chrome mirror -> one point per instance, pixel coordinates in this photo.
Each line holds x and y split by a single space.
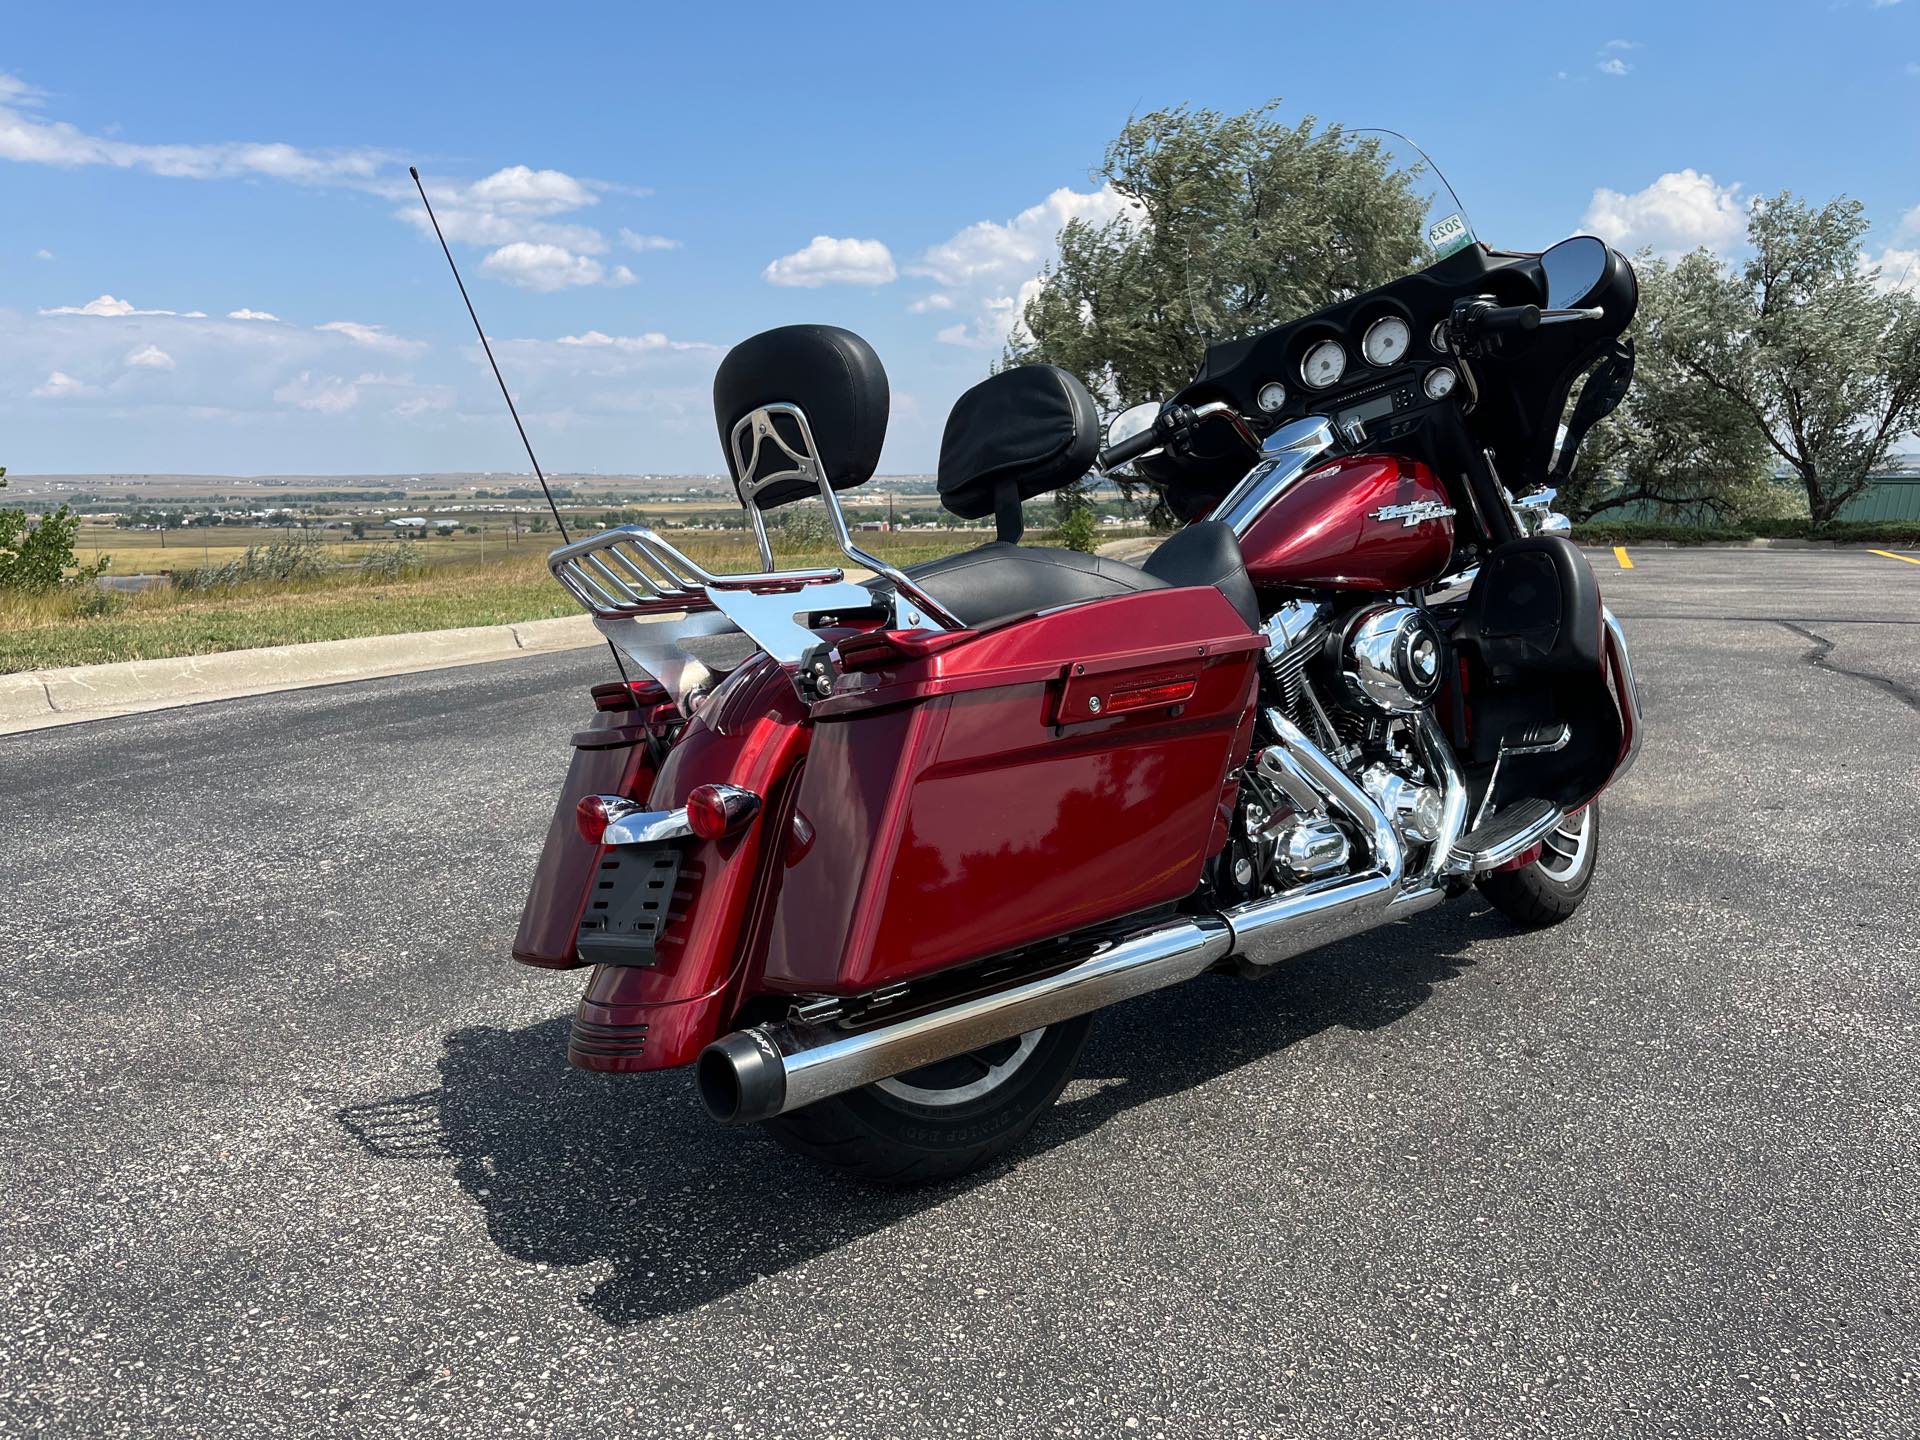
1574 269
1131 421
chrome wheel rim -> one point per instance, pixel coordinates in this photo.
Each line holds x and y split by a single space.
965 1077
1563 854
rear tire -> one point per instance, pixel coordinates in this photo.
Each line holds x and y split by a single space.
941 1120
1551 888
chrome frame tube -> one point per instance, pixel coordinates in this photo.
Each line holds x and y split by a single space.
757 427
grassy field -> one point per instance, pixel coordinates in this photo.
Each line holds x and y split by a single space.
84 627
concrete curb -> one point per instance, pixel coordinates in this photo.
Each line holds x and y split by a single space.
36 699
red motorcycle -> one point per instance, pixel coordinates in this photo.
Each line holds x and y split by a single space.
870 856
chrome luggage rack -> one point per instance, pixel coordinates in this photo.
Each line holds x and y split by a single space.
646 596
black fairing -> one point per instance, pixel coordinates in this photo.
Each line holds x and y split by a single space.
1524 380
1531 638
1033 428
835 379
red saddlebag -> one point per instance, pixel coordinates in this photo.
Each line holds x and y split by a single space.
1021 783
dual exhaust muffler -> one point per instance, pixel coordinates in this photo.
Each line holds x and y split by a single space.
767 1070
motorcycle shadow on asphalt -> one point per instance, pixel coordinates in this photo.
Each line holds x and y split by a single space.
573 1169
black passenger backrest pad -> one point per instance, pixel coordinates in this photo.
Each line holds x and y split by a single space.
835 379
1034 426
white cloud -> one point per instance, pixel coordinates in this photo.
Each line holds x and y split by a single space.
1612 61
322 394
634 240
539 192
43 254
1021 246
546 267
245 314
1899 269
374 337
827 261
60 386
15 91
1681 211
36 141
105 306
150 357
631 344
991 269
511 206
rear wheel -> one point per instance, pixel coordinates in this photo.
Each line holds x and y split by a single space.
1551 888
942 1119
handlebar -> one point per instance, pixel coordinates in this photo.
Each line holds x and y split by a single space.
1132 448
1478 319
1171 422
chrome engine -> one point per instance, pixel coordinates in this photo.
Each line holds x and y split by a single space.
1355 684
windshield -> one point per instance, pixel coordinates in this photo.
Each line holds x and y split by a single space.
1297 231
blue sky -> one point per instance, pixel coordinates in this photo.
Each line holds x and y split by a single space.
633 188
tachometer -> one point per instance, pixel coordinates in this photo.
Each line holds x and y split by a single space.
1386 341
1324 365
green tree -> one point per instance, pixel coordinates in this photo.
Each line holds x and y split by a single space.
1676 441
36 558
805 527
1078 530
1802 338
1240 223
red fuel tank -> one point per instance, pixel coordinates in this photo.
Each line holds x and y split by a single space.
1364 522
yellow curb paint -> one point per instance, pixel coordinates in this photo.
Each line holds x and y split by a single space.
1891 556
1620 554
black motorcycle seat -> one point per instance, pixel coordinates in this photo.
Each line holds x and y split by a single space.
997 581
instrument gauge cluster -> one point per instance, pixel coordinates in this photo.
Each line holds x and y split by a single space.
1323 365
1387 341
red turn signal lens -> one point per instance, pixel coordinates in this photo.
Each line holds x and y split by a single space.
717 810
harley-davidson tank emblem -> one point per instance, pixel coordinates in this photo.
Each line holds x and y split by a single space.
1416 512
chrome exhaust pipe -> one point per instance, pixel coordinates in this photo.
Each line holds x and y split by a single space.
767 1070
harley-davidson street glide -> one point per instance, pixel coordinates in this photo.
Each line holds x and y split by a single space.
869 856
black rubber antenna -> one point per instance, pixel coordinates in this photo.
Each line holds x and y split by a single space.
505 394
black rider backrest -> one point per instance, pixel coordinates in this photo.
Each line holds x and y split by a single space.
834 378
1034 427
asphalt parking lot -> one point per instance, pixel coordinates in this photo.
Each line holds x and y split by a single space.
288 1146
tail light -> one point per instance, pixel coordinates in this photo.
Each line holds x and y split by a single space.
714 811
595 812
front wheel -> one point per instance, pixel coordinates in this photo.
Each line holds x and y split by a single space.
942 1119
1549 889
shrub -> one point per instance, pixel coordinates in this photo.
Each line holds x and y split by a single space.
1078 530
300 559
35 559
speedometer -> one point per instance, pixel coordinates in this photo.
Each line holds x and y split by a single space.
1324 365
1386 341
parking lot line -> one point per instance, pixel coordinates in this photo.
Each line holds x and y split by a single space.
1620 554
1891 556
